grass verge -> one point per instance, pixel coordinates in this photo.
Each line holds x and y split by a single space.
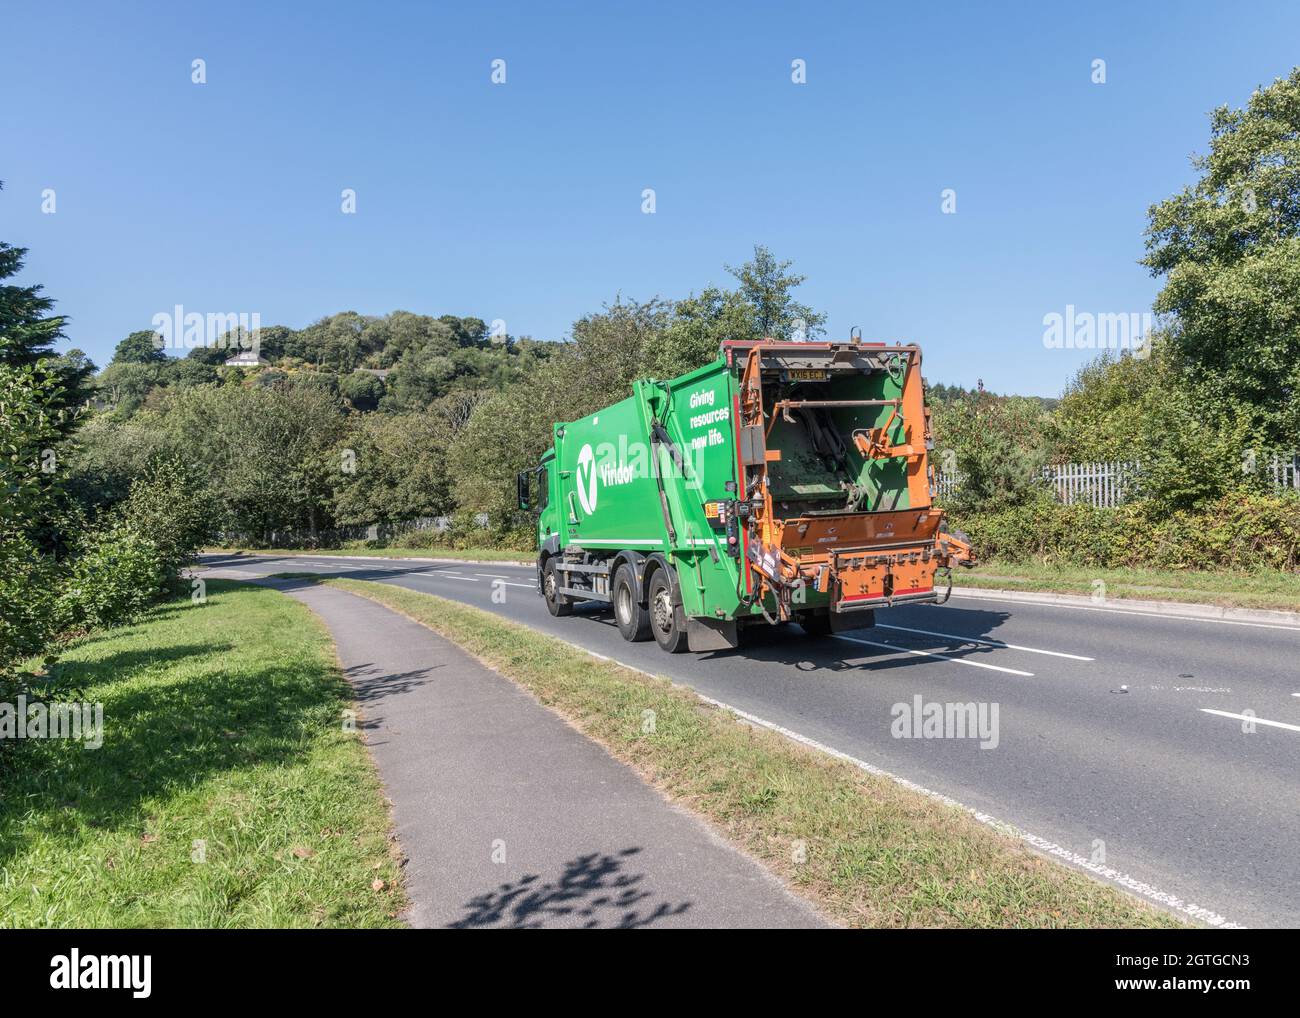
1271 589
876 854
226 792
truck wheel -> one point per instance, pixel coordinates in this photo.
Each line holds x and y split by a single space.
633 620
667 621
556 603
816 624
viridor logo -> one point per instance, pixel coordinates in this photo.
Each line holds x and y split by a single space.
611 472
587 479
75 971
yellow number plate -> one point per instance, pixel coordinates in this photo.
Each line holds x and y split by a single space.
808 374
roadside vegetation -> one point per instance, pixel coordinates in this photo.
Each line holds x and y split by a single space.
1264 588
874 853
226 792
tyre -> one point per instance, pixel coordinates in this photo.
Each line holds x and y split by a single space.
667 620
633 619
816 624
556 603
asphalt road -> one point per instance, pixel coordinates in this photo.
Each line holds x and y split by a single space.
1161 752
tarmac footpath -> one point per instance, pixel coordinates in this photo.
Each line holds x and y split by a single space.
509 817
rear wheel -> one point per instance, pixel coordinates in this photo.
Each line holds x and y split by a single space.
816 623
633 620
556 603
667 620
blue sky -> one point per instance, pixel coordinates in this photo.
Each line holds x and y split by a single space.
523 201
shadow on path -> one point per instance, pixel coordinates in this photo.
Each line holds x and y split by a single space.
592 892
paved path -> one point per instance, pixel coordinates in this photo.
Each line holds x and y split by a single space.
511 818
1125 743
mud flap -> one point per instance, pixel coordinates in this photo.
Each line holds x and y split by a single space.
711 634
861 618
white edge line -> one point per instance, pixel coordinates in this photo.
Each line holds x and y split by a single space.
1124 611
1105 873
987 643
930 653
1252 719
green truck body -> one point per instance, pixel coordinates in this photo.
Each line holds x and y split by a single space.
780 482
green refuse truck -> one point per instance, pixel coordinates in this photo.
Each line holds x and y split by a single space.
782 482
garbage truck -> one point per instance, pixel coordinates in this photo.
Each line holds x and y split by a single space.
783 482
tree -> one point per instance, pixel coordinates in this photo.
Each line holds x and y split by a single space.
362 389
28 333
766 286
698 327
1229 249
141 347
399 470
30 426
995 444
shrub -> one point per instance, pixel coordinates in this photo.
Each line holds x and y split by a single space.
1241 530
116 575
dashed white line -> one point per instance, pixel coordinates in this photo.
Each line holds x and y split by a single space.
941 657
1252 719
987 643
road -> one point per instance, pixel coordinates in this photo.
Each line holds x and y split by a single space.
1162 752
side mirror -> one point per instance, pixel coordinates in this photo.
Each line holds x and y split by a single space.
521 484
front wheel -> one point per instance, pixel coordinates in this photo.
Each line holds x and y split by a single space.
556 603
667 620
633 619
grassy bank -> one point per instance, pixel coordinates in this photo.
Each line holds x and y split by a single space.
875 853
226 792
1265 589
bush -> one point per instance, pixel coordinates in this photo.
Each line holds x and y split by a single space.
1241 530
115 576
170 506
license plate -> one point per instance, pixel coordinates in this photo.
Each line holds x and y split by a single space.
808 374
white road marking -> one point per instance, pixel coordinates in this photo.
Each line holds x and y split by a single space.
455 576
1253 720
1124 611
1138 887
987 643
930 653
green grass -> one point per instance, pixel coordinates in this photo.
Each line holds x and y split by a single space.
460 554
222 724
877 854
1265 589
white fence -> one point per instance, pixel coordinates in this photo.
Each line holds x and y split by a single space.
1105 485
